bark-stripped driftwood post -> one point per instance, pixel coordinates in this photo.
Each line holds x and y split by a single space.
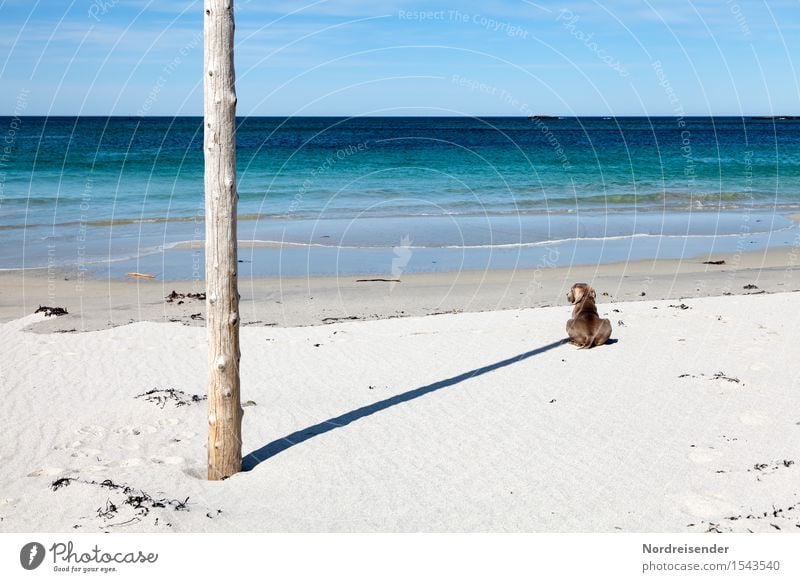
222 303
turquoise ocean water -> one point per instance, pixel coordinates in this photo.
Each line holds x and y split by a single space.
392 195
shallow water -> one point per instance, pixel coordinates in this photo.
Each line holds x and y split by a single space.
367 194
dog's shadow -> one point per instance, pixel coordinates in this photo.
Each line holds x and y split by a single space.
256 457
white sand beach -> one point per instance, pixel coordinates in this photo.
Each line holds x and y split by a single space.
456 422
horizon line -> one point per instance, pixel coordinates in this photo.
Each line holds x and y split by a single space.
774 116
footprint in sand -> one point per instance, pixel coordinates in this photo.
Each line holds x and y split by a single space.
46 471
198 471
134 431
128 430
702 456
167 460
707 507
760 366
133 462
92 430
754 419
86 453
72 445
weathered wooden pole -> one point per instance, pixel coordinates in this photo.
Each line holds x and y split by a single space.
222 293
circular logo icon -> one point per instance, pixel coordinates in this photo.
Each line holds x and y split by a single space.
31 555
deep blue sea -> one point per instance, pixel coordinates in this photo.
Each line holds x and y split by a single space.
361 195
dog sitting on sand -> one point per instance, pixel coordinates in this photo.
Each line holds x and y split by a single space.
586 329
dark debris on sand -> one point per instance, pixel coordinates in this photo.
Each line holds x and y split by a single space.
59 483
174 296
767 467
788 514
716 376
723 376
335 319
160 397
713 262
51 311
140 502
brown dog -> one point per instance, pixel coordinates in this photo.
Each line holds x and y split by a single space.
586 329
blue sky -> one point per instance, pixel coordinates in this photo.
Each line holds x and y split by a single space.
343 57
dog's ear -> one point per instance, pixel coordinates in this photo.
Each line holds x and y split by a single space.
571 295
594 294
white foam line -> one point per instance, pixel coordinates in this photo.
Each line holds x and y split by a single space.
284 244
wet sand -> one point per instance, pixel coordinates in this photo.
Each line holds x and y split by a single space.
98 304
